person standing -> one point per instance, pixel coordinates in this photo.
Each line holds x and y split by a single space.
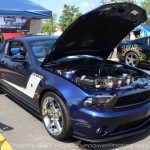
132 36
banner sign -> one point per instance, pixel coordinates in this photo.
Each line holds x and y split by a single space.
14 24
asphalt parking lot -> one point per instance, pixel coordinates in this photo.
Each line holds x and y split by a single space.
24 131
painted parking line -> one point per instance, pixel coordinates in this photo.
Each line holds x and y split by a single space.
4 145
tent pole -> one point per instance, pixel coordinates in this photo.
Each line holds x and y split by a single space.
52 24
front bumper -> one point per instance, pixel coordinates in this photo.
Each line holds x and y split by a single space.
113 123
109 138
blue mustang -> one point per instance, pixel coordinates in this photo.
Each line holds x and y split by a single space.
71 85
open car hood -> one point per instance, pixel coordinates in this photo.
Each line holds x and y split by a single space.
98 31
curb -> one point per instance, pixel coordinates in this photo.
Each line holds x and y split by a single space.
4 145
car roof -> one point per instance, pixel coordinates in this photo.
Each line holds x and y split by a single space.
35 37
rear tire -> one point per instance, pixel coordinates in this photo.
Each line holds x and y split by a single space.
132 59
55 116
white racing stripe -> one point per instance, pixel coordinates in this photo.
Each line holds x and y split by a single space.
31 87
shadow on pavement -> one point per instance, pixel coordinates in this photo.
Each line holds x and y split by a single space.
25 107
4 127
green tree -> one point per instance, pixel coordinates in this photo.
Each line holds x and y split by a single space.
146 5
69 15
47 24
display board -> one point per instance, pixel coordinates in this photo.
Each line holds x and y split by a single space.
17 15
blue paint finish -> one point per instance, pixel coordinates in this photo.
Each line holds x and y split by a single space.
108 119
85 120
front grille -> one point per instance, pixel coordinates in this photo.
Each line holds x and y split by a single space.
130 125
132 99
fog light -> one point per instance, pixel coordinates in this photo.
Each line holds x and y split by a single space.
99 130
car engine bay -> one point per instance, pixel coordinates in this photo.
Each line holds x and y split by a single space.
93 73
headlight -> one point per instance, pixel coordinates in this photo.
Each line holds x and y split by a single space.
97 101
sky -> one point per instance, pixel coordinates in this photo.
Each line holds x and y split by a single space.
56 6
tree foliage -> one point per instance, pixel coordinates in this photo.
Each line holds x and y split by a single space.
47 25
69 15
146 5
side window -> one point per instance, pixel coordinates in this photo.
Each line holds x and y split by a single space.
15 48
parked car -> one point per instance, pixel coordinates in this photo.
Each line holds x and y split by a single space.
135 52
70 84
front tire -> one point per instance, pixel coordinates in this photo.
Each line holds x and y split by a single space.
55 116
132 59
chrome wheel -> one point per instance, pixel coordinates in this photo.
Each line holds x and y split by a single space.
132 59
52 116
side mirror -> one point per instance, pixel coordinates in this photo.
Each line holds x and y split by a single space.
18 58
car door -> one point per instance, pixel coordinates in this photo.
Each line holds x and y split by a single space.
140 47
16 75
145 49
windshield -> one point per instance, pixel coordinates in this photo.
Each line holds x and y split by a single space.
41 48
